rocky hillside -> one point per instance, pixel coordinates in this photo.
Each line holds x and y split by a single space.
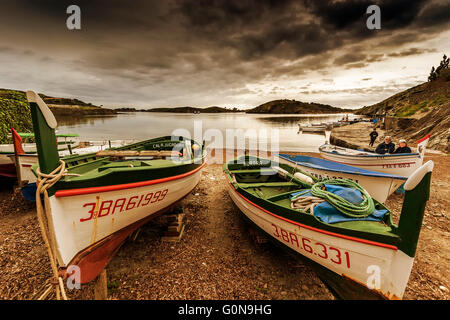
421 110
15 112
294 107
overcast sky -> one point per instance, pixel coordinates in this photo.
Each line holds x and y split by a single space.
229 53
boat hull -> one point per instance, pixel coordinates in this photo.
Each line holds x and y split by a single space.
379 188
382 271
402 165
89 228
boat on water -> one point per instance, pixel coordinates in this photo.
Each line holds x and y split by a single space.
402 164
93 202
367 257
312 128
379 185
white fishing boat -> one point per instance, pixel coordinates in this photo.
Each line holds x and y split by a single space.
7 162
378 184
93 202
358 256
312 128
402 164
24 161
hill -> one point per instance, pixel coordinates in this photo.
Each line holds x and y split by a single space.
193 110
15 112
296 107
418 111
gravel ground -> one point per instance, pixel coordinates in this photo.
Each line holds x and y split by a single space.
217 257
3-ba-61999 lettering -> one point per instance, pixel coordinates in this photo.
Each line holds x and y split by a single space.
107 207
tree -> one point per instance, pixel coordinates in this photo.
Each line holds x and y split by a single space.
436 73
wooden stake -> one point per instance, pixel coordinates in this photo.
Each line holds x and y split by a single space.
101 286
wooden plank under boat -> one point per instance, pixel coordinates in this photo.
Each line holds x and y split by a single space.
105 196
379 185
355 259
402 164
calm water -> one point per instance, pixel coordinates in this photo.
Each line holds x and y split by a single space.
218 129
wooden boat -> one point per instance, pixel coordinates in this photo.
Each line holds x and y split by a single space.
379 185
355 259
7 164
312 129
24 161
402 164
101 198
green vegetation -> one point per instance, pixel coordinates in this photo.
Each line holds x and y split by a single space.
442 71
410 110
14 113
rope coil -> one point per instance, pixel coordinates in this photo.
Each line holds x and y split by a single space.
43 183
320 194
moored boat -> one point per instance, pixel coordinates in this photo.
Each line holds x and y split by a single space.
379 185
402 164
94 201
357 258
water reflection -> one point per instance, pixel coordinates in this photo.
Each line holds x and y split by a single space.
143 125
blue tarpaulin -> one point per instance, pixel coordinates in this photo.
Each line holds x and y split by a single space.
328 214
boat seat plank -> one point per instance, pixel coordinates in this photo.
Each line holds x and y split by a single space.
267 184
253 170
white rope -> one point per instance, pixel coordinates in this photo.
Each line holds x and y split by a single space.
306 203
43 183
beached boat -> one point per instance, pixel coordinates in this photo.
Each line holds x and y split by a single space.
379 185
402 164
24 161
7 164
357 258
93 202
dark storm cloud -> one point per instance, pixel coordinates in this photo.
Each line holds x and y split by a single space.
194 47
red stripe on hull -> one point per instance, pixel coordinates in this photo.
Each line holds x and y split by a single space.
378 244
76 192
373 165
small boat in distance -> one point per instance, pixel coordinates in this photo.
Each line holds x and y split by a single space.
318 129
402 164
379 185
93 202
343 250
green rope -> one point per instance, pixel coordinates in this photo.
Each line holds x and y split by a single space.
362 210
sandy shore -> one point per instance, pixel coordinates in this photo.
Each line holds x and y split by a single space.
217 257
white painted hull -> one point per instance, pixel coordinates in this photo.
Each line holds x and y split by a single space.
379 188
358 261
402 165
76 227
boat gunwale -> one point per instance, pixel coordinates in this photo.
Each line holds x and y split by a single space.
365 172
375 155
115 187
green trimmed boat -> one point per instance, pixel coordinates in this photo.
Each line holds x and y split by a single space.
351 242
93 202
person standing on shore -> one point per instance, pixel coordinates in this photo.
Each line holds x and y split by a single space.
386 147
373 137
